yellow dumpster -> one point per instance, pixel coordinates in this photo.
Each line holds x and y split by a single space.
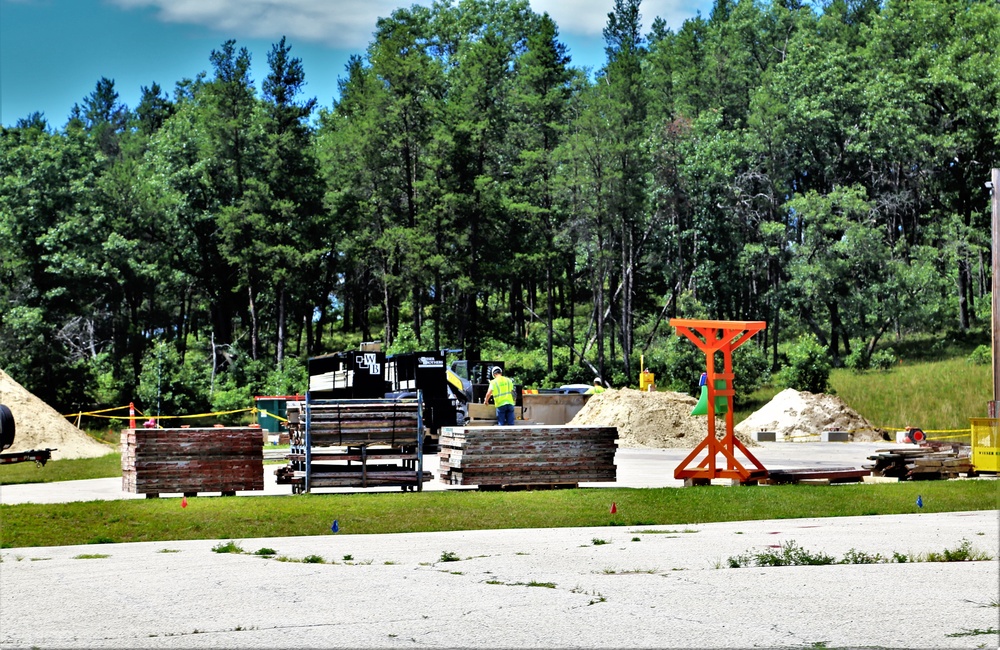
985 444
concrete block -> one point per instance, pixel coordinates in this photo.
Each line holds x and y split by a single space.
765 436
834 436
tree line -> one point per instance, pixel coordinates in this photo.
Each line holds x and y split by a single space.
817 166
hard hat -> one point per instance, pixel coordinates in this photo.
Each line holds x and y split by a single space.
597 380
497 369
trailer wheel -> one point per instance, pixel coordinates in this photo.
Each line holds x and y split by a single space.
6 427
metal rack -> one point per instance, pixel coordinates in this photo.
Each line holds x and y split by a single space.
357 443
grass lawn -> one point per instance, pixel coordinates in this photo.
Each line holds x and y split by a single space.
62 470
97 522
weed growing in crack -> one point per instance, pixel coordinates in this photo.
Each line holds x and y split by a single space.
975 632
791 554
227 547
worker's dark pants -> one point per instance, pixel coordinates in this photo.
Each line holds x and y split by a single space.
505 415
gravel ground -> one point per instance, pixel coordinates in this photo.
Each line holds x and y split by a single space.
613 587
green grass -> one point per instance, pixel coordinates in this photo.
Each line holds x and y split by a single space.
232 518
76 469
932 395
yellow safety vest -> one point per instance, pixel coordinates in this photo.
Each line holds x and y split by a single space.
503 391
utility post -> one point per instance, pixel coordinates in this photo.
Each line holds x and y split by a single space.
995 192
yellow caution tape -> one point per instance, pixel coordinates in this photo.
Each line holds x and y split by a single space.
138 412
268 414
202 415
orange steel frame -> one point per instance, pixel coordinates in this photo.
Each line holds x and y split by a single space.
713 336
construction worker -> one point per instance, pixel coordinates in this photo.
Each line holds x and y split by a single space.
598 387
502 390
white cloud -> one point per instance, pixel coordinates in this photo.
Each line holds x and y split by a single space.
589 17
349 24
343 24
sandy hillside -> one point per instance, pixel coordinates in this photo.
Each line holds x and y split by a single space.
39 426
651 419
792 414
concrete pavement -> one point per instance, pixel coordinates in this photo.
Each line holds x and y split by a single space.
614 587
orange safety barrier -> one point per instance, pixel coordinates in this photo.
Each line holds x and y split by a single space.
713 336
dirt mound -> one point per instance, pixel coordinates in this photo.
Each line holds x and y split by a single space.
39 426
793 414
650 419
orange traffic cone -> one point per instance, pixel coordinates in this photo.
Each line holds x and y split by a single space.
614 507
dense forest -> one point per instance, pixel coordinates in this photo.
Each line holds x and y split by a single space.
819 166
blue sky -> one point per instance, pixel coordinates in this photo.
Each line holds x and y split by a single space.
53 52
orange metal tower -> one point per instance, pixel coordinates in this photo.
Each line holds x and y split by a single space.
713 336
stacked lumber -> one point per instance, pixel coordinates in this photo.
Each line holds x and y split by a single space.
930 460
825 475
217 459
527 455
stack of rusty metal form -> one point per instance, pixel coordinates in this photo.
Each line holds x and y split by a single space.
189 461
512 457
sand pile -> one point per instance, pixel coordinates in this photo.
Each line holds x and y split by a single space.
658 419
39 426
792 414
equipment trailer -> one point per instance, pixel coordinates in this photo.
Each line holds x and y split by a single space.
40 456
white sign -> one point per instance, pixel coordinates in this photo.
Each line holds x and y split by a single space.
429 362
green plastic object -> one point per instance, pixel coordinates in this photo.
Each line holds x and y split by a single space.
273 406
721 402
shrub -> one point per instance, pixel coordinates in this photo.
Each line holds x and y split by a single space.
981 356
857 361
751 369
884 360
683 365
808 366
